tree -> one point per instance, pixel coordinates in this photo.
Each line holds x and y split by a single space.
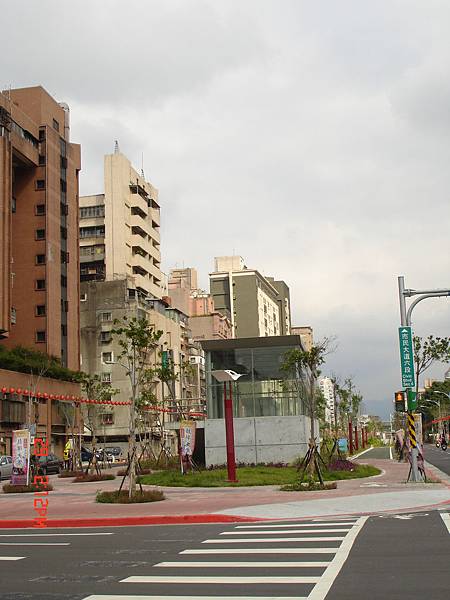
99 391
138 341
349 402
303 366
427 351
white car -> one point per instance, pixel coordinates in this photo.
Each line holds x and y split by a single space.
6 465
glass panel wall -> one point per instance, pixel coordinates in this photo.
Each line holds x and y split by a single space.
263 390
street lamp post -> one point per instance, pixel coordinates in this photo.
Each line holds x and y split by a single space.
405 320
227 377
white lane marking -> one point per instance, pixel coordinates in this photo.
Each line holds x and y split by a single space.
261 551
32 544
361 453
127 597
47 534
446 518
281 539
288 531
324 524
220 580
11 557
233 564
320 591
390 452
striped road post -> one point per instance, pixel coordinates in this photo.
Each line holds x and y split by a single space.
414 473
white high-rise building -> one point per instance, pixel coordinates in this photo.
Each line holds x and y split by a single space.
327 388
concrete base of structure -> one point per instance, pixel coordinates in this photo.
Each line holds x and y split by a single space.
258 439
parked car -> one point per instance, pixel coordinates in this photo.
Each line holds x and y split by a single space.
50 464
6 465
86 454
103 455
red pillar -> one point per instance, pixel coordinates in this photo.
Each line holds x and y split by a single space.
229 431
350 437
356 438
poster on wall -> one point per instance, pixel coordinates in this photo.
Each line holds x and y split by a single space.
20 457
187 438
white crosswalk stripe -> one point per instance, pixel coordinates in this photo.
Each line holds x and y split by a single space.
11 557
446 518
231 565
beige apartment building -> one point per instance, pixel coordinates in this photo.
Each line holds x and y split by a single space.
258 306
120 229
306 335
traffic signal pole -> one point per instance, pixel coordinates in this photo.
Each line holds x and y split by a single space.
405 321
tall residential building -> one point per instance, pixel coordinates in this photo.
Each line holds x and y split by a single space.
326 386
257 306
38 225
119 229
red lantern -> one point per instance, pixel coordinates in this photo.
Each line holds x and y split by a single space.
19 390
4 390
12 390
46 395
26 392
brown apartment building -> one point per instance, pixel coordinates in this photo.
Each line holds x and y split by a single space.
39 257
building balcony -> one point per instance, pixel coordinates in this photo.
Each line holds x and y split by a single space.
139 203
142 282
142 262
138 222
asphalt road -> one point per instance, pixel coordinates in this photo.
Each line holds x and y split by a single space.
386 557
438 457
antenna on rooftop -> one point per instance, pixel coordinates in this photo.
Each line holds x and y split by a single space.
116 147
142 166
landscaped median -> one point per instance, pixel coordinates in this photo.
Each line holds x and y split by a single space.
248 476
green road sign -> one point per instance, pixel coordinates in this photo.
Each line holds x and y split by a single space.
412 400
406 357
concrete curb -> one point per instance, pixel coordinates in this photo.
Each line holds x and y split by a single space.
445 479
127 521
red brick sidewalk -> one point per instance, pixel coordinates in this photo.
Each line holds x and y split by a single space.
77 501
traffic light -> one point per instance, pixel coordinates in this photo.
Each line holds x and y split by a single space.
399 400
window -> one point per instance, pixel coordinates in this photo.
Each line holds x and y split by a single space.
63 281
40 310
107 357
42 135
106 316
64 209
40 184
64 330
40 284
64 257
86 232
42 159
63 231
40 337
39 210
40 234
40 259
107 418
105 336
13 204
63 185
55 125
87 212
106 378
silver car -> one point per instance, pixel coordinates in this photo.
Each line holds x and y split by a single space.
6 465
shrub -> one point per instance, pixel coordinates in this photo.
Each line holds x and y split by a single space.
26 360
342 464
23 489
308 486
122 497
94 477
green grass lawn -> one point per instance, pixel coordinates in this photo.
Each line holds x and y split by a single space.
259 475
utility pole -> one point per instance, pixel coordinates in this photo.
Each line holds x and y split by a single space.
405 322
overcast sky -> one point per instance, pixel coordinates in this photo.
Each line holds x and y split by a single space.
310 137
